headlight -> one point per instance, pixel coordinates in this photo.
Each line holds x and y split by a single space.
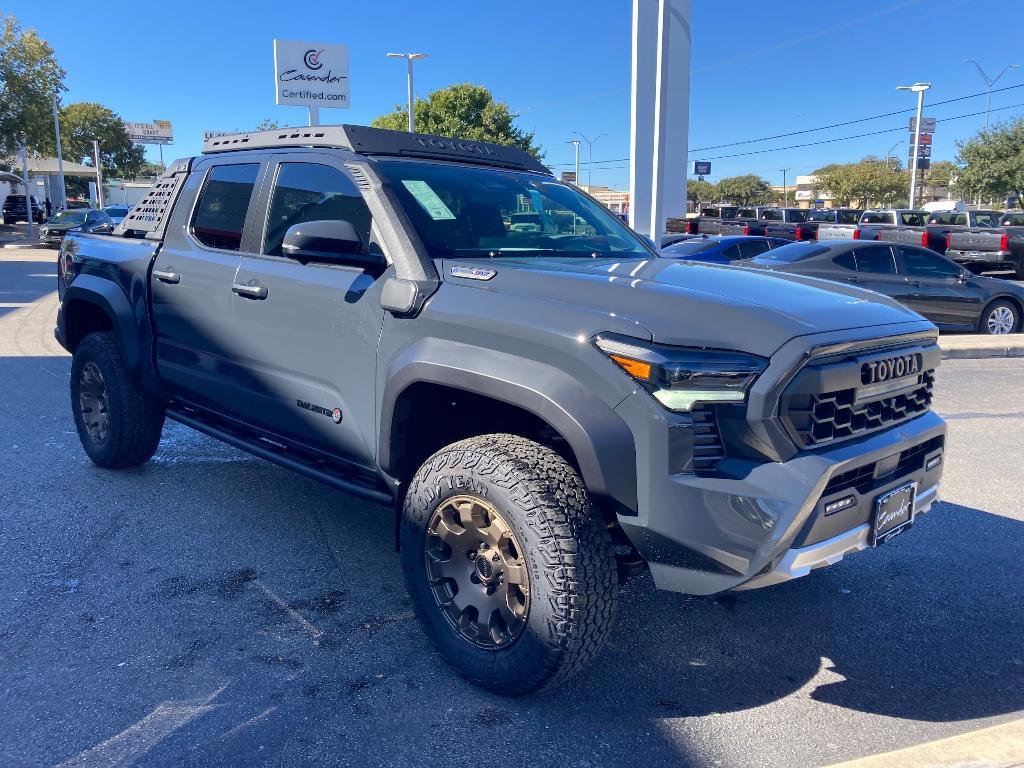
681 377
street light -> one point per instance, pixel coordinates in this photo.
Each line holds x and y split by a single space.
590 156
409 59
989 83
785 189
576 145
919 89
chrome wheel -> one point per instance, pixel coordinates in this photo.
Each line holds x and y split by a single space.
93 402
1001 320
476 570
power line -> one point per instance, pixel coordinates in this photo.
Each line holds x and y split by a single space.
825 128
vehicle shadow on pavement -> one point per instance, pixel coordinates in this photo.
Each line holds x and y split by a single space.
22 282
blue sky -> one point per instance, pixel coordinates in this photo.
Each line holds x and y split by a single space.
759 69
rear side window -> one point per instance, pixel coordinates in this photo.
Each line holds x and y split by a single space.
732 253
876 260
312 192
223 205
751 248
793 252
846 260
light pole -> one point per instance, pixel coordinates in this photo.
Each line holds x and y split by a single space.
785 189
919 89
576 145
60 158
889 153
590 156
989 83
409 59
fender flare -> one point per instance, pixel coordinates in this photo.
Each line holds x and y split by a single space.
111 299
599 438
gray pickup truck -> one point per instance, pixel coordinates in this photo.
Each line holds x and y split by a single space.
872 222
934 232
544 412
990 249
708 222
813 219
755 221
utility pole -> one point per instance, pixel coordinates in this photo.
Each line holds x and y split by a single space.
576 145
99 173
28 192
62 203
919 89
409 59
785 189
989 82
590 156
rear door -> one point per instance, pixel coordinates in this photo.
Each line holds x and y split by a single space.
876 270
310 329
936 290
191 282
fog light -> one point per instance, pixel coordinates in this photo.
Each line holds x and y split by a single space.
837 506
933 462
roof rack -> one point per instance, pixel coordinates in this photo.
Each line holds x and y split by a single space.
379 141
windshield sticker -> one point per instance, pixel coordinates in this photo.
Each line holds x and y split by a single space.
425 196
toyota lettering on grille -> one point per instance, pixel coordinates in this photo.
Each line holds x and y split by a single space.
890 368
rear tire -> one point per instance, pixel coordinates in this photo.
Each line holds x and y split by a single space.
999 318
556 566
118 422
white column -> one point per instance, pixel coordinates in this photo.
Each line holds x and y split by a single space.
659 113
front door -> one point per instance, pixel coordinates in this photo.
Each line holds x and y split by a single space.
309 331
936 289
191 283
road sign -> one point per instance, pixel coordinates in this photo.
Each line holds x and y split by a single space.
311 74
701 167
569 177
156 132
925 139
927 124
925 150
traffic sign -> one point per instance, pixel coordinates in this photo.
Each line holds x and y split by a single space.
925 139
927 124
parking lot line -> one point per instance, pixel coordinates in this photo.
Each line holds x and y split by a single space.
1000 746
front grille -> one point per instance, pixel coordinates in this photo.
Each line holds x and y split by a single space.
830 416
707 442
863 479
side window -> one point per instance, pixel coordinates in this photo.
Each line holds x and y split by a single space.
875 260
751 248
846 260
223 205
921 263
311 192
732 253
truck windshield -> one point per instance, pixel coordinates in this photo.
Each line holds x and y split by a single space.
468 211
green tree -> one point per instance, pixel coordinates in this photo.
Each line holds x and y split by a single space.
699 191
85 122
941 173
871 180
748 189
991 165
266 124
463 111
29 76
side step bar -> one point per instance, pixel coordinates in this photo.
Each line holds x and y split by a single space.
293 462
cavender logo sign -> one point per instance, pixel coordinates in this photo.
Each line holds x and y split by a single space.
889 368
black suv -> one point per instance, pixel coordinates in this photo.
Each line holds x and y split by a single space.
15 211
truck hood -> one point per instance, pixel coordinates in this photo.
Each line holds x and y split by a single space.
689 304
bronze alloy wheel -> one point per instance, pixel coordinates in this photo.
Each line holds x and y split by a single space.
93 402
476 570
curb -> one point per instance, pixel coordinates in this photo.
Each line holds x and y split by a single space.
980 347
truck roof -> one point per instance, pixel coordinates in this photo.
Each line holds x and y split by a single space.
379 141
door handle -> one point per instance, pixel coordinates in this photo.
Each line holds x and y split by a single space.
167 277
250 291
854 280
915 283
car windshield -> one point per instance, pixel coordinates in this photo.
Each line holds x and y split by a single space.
69 217
466 211
820 216
689 247
787 254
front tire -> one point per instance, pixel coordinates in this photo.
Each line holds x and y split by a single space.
118 422
999 318
510 569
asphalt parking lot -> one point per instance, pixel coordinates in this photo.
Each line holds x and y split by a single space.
211 609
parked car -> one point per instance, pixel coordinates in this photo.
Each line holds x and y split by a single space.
933 285
539 414
60 224
117 212
871 222
938 226
15 210
761 218
808 228
721 249
986 249
708 222
77 205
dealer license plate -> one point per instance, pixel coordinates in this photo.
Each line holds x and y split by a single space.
894 513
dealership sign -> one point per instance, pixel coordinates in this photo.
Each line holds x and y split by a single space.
701 167
311 74
156 132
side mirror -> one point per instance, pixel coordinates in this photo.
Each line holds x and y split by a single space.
330 242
